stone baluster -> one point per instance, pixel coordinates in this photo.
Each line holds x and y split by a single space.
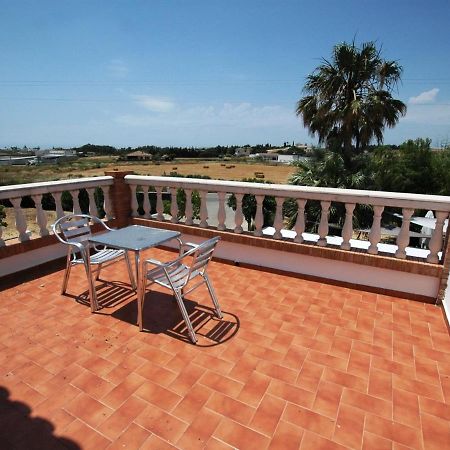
323 225
159 203
435 243
278 221
188 210
58 204
347 230
221 214
375 231
134 202
107 203
403 236
21 223
238 216
92 204
146 203
259 217
300 222
173 204
76 202
203 210
41 217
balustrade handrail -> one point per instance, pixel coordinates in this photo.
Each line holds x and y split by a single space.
48 187
374 198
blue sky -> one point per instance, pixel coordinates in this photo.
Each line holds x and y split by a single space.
203 73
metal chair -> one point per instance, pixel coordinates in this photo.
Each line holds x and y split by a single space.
74 230
177 274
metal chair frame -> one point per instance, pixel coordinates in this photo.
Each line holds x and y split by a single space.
176 275
74 230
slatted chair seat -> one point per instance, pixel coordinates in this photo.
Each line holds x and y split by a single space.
74 230
177 276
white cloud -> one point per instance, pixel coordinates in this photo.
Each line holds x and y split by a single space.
424 97
239 116
118 68
428 114
154 104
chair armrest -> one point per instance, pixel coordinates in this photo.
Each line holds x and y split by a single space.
188 245
97 220
155 262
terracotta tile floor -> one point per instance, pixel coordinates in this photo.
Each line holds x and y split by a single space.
294 364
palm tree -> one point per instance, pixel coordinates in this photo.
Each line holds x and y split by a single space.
348 100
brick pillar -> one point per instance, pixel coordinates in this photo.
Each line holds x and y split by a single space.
120 194
445 278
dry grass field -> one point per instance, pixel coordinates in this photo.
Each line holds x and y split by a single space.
216 170
95 166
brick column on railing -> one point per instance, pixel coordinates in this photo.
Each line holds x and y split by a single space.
445 278
120 196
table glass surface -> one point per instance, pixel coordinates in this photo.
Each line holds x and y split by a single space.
134 237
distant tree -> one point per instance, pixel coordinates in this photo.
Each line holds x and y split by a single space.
348 100
413 168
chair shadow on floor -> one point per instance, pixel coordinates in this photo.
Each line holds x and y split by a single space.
162 315
21 431
110 294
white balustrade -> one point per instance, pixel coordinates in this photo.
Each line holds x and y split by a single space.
146 202
323 225
259 217
92 205
347 230
159 204
188 207
378 200
134 202
107 206
221 215
303 194
375 231
238 216
300 222
173 204
203 210
278 221
41 217
403 236
435 243
58 204
76 202
21 223
15 193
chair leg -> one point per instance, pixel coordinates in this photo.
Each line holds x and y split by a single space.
130 271
99 268
185 315
213 296
66 273
92 292
140 303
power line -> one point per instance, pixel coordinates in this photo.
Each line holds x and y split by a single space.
183 82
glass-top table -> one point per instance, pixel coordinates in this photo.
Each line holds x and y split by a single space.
135 238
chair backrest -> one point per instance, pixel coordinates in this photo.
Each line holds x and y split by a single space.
73 228
201 257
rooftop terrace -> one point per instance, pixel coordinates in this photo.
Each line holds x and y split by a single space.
295 364
319 347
